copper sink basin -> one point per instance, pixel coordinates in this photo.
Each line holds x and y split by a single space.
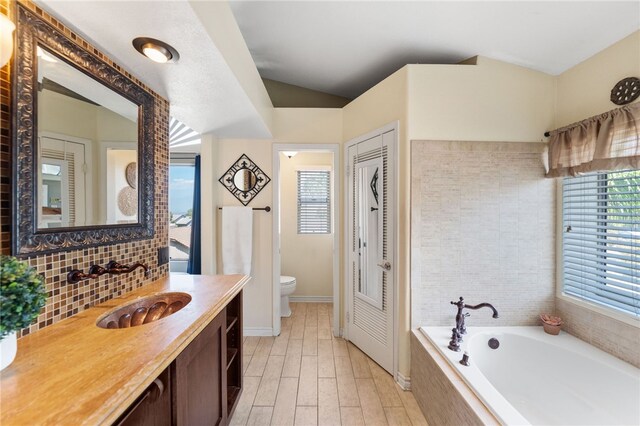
144 310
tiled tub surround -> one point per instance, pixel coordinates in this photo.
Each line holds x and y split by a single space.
536 378
611 335
65 299
483 218
440 392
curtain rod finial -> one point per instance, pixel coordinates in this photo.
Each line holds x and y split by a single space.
547 134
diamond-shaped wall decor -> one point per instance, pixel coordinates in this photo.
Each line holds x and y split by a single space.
244 179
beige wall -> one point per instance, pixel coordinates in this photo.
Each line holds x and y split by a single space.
209 203
307 257
258 292
112 127
490 101
117 161
72 117
584 90
65 115
299 126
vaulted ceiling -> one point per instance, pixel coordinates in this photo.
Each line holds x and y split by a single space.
346 47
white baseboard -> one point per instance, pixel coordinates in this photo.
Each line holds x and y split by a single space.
404 382
311 299
258 331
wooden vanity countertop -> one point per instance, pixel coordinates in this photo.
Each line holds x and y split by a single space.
74 372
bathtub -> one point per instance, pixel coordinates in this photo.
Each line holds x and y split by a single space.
539 379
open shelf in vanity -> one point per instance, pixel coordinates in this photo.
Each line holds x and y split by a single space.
234 352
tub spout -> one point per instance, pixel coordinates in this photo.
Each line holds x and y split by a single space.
483 305
460 316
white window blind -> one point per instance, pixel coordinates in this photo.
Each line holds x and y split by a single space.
314 202
601 239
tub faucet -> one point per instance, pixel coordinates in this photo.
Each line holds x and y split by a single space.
460 316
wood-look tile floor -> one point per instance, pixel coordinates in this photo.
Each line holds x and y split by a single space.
306 376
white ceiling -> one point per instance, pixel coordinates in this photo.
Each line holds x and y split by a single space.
203 91
344 48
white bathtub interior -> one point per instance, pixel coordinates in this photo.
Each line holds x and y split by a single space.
535 378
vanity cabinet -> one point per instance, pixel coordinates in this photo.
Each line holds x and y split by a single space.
203 384
153 407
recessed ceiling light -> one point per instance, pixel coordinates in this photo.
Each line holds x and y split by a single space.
156 50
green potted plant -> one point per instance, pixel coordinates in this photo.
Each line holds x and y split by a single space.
22 295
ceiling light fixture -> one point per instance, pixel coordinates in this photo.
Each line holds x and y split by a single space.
156 50
6 39
290 154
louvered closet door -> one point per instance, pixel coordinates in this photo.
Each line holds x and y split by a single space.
370 316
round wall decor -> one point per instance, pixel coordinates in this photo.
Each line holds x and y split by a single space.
625 91
131 173
128 201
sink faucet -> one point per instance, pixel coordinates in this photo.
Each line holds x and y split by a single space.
113 268
460 316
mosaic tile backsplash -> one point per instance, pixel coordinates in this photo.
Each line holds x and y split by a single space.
65 299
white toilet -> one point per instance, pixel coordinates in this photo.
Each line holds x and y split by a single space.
287 286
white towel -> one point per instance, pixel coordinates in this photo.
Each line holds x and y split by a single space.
237 240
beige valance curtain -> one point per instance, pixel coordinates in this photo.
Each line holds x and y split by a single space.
610 141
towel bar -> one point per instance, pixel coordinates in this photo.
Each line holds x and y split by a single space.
266 209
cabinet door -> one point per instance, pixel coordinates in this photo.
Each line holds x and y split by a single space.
199 377
153 407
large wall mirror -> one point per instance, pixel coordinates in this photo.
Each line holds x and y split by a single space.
84 146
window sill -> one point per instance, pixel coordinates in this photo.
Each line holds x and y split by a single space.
609 313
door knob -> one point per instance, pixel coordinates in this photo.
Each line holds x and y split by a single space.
386 265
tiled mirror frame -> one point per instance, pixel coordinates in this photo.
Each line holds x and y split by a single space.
27 239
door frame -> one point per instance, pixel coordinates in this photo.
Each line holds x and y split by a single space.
335 211
393 126
88 167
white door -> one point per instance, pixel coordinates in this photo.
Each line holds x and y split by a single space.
370 286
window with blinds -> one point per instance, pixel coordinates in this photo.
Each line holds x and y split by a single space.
601 239
314 202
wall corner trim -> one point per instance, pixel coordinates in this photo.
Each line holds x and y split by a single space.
403 381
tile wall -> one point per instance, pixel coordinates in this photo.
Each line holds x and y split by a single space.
65 299
616 337
482 218
5 149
